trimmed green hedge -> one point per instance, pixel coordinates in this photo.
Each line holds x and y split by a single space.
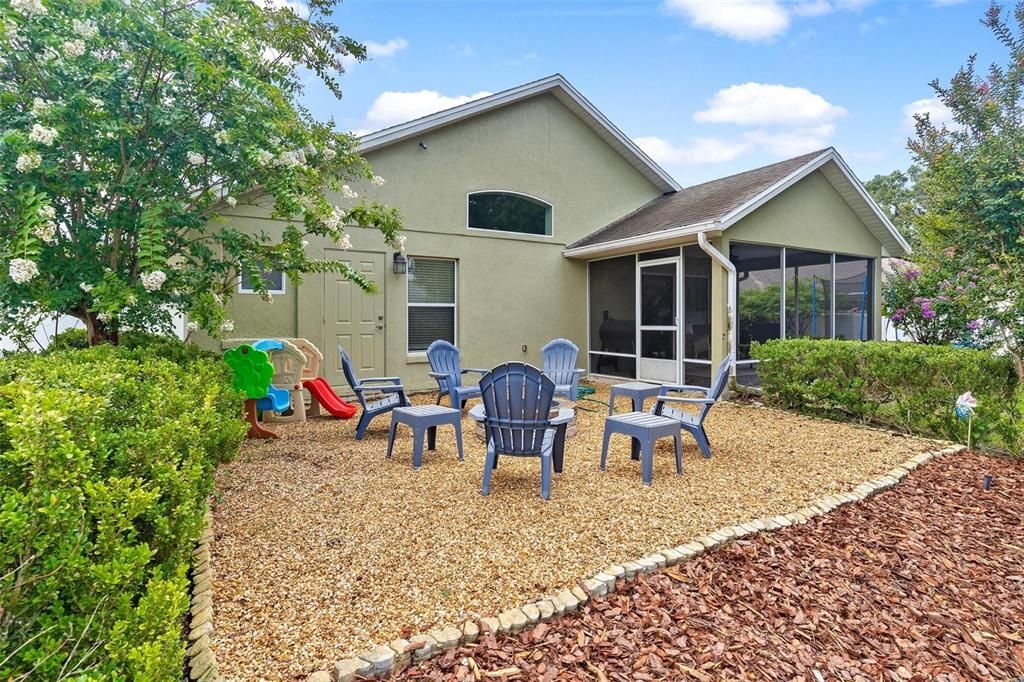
106 461
908 386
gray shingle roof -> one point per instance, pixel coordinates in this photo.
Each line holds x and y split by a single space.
697 204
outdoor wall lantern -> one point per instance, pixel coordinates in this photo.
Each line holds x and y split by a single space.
399 265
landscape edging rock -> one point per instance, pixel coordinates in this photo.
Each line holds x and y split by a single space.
202 663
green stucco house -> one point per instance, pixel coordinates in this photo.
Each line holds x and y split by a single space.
530 216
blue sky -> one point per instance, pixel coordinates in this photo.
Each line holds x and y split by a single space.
708 88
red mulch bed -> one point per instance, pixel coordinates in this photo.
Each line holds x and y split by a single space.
922 582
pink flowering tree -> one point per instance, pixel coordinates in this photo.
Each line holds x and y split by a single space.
968 284
127 129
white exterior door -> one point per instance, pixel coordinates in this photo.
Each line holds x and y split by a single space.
354 319
658 304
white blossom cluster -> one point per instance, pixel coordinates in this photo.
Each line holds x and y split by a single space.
263 157
85 287
333 220
42 134
191 327
22 270
74 48
292 159
329 153
87 30
28 161
401 243
221 137
231 201
346 242
348 193
377 181
195 158
227 326
152 281
28 8
40 107
47 229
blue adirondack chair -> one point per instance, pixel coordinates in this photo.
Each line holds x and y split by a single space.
688 421
446 368
559 360
517 401
391 387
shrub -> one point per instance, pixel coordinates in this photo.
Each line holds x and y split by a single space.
106 461
153 345
908 386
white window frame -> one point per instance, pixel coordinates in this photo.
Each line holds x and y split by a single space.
454 304
282 290
509 233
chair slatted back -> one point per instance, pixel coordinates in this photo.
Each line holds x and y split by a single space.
517 401
350 375
719 383
444 358
559 360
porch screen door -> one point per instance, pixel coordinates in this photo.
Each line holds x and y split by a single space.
658 331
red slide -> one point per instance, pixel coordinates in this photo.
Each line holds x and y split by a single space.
325 395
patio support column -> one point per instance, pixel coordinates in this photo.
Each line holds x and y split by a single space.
723 297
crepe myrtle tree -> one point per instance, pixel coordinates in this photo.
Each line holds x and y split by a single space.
971 193
128 127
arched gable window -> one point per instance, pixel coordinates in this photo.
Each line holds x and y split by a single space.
509 212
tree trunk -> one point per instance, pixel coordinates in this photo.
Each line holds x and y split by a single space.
95 329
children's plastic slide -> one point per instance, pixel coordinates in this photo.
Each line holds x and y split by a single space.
322 393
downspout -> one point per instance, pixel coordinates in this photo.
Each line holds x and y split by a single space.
718 257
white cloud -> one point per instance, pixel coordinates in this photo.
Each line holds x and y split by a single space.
767 104
376 50
791 142
463 49
938 112
750 20
699 150
387 49
398 107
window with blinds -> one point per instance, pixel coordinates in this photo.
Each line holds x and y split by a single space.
430 286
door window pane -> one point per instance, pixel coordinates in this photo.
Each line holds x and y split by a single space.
658 295
808 294
854 298
430 286
759 279
658 344
613 306
696 303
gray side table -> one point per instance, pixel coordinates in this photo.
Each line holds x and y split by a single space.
638 391
424 418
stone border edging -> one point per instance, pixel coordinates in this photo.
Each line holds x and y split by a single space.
384 660
202 664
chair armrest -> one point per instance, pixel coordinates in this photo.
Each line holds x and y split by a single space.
383 388
381 380
579 372
438 375
478 371
692 401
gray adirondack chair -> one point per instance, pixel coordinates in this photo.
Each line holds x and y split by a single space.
391 387
517 401
559 360
446 368
688 421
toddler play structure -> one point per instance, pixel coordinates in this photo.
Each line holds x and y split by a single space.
253 372
296 364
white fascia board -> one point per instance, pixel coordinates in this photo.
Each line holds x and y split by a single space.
639 242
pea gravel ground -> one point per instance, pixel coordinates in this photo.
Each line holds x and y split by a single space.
322 546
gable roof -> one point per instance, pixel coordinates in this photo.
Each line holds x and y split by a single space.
555 85
721 203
